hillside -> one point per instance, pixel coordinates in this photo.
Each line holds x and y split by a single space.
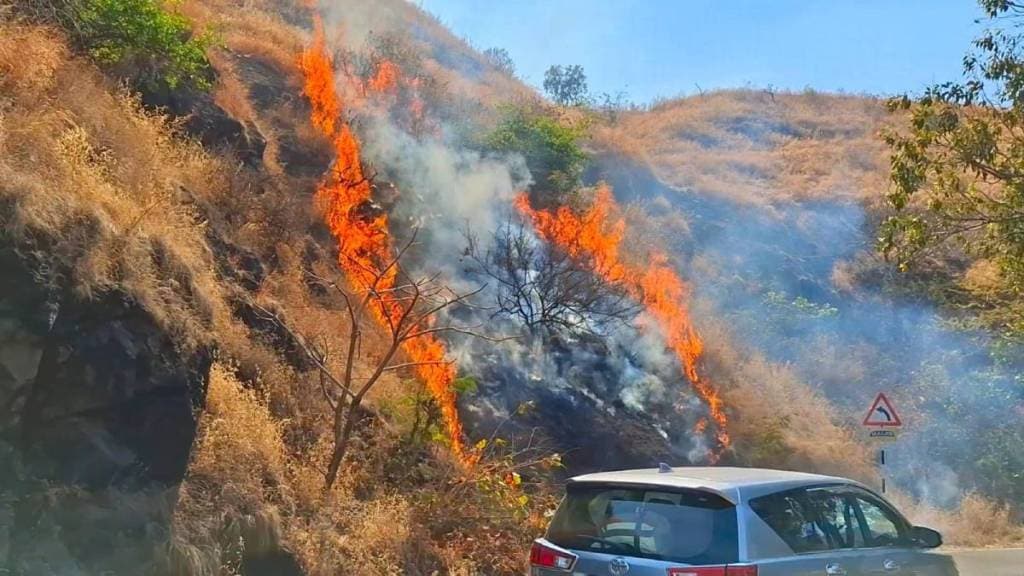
760 146
199 280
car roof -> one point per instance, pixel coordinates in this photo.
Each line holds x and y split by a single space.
733 484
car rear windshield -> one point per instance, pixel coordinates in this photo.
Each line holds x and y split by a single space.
684 526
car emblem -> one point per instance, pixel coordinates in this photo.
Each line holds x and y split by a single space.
618 567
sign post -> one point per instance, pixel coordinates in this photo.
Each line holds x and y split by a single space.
883 423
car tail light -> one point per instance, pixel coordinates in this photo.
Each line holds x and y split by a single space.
547 556
729 570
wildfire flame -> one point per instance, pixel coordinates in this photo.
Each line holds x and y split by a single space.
364 242
597 235
386 78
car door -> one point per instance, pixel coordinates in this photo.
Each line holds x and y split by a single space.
815 523
887 549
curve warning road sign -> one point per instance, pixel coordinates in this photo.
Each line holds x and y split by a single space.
882 413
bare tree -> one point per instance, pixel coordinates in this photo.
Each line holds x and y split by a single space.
407 307
543 286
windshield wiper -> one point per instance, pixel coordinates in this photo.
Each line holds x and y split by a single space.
611 544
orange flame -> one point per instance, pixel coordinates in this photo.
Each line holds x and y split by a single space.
364 243
597 235
386 78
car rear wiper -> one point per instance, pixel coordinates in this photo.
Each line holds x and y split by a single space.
611 544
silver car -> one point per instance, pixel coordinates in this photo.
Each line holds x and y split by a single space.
731 522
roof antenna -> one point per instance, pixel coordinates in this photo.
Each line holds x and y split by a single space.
664 468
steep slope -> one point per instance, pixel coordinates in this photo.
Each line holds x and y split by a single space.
188 270
157 254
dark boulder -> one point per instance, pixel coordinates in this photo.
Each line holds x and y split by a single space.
25 314
114 401
276 563
98 414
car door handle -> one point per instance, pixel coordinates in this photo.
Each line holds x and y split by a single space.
835 569
891 565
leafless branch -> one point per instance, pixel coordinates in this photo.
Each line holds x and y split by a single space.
544 287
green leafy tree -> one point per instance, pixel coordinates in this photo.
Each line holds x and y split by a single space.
146 40
567 85
551 149
958 172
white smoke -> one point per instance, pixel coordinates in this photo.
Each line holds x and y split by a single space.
447 190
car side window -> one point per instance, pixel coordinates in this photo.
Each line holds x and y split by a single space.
837 518
785 514
881 526
812 520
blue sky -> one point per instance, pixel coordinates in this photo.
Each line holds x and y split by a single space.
664 48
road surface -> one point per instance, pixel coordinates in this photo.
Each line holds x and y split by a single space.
1006 562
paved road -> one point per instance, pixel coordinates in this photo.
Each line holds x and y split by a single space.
989 562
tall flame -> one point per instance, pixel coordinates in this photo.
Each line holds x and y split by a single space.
364 243
597 235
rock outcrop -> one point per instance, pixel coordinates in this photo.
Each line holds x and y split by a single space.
100 407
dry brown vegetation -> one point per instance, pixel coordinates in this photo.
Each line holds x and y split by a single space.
780 421
757 146
248 495
463 70
92 187
977 523
106 196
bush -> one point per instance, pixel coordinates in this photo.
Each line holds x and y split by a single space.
152 44
551 149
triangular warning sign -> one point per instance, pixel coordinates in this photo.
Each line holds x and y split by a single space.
882 413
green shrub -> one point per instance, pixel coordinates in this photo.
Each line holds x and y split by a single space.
146 39
551 149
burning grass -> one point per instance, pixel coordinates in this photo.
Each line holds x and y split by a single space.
364 241
597 235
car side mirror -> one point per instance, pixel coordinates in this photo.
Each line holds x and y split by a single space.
925 537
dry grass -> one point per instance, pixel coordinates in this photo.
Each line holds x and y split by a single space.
237 422
779 421
257 32
470 74
753 146
230 503
91 187
978 522
250 492
254 30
